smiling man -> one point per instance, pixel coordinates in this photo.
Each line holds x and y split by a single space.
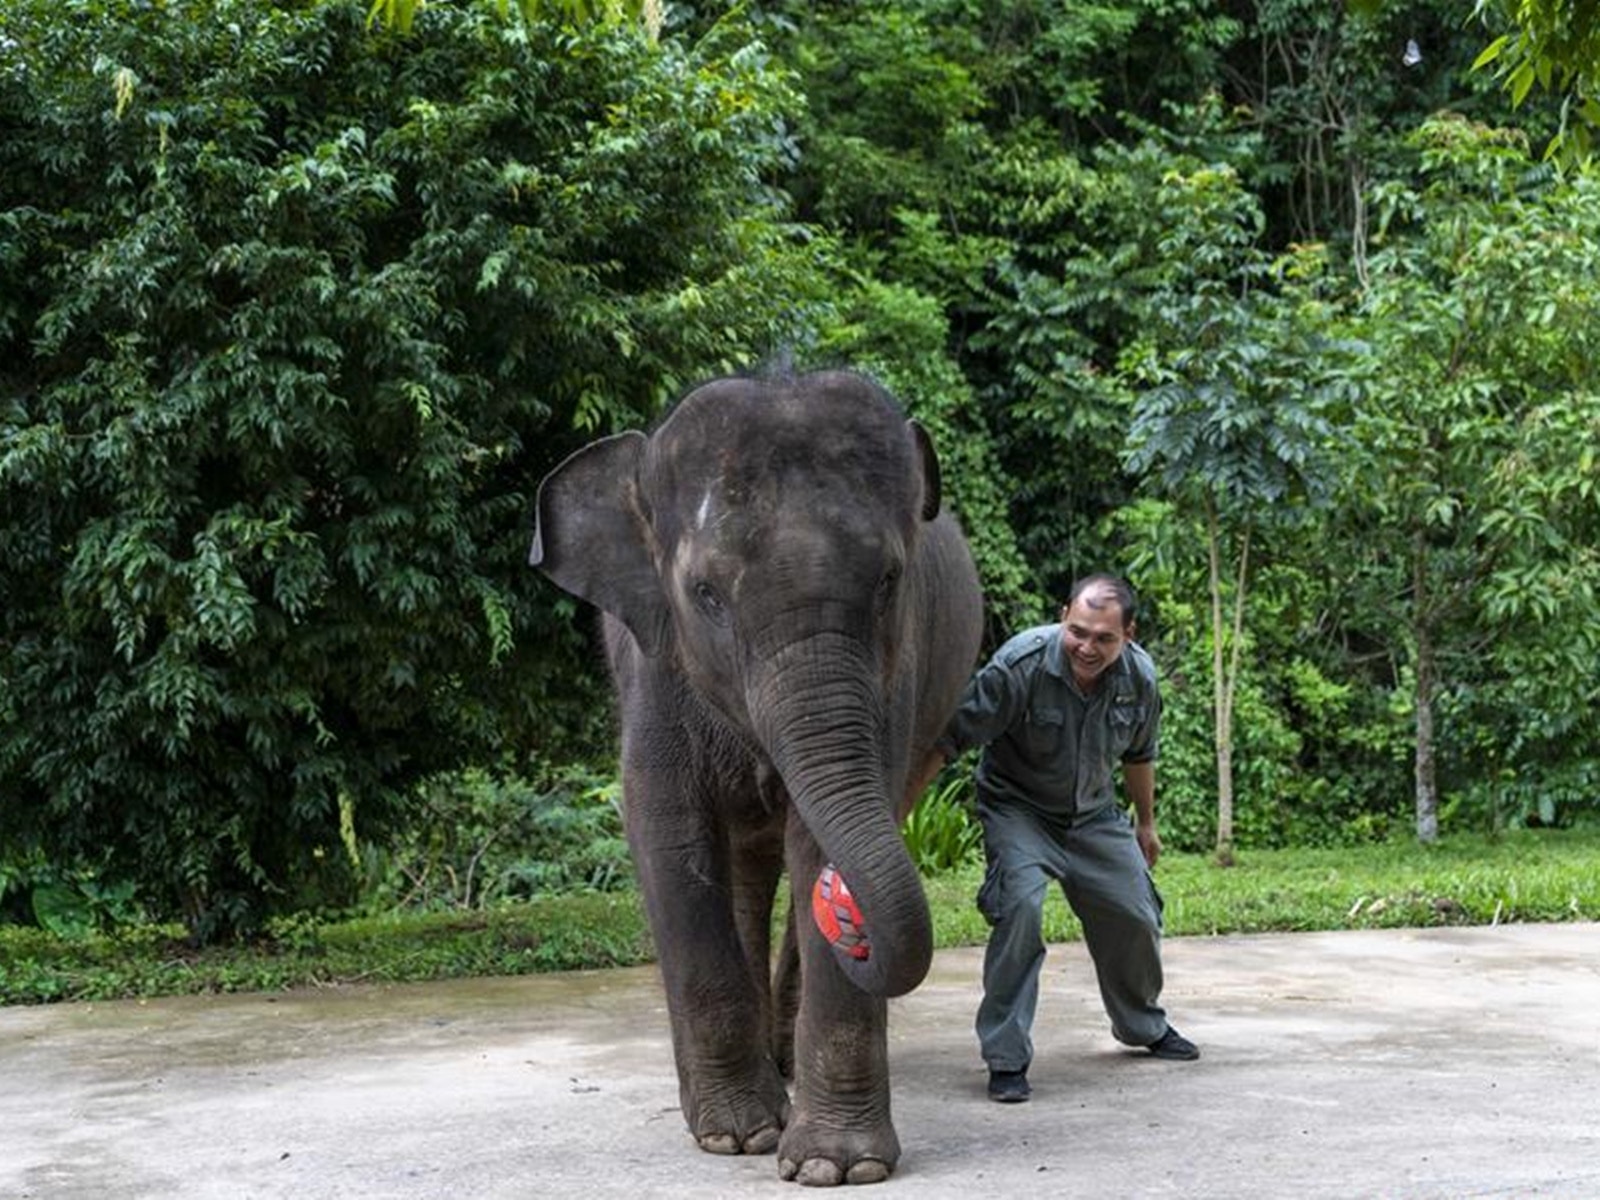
1057 710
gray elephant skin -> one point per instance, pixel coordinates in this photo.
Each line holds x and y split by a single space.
789 620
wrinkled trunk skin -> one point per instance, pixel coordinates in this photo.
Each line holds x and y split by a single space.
819 710
821 720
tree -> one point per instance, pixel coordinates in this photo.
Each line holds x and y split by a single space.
1475 506
883 147
1236 419
401 15
1555 45
293 317
1003 165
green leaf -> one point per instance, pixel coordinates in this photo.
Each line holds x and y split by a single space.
1520 82
64 910
1491 51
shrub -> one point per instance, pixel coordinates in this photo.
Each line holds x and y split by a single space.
293 317
941 833
479 838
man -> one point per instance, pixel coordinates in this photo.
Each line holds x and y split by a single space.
1056 710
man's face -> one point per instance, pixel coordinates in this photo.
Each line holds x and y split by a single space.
1092 635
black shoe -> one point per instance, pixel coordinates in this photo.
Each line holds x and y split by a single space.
1173 1045
1009 1087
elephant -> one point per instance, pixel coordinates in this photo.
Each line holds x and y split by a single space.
789 620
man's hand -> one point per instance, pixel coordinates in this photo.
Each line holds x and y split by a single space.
1140 779
1149 842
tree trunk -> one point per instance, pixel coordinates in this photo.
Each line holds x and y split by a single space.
1427 783
1224 673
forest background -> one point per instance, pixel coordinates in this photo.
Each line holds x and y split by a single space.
1278 307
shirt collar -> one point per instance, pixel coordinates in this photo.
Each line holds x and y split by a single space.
1055 659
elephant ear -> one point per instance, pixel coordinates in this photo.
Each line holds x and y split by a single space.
931 492
591 537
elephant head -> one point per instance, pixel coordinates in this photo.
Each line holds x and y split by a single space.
766 544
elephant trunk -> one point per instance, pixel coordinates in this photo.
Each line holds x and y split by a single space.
819 712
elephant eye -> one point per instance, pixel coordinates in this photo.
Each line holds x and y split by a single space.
887 586
709 602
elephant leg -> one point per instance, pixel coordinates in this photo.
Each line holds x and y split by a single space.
757 866
840 1130
786 998
733 1098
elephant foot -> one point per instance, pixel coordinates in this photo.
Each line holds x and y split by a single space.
742 1120
813 1156
824 1172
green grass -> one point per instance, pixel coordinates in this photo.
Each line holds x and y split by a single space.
1465 880
565 933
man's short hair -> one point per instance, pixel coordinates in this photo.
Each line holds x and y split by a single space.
1116 585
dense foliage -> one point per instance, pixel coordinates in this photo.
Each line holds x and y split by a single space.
294 318
1269 306
1184 254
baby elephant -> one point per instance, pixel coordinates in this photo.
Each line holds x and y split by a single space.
789 621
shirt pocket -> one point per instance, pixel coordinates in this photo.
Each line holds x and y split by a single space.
1125 721
1044 732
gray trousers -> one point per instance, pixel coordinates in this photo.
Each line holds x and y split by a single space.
1103 875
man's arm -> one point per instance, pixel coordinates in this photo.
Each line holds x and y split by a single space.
989 704
978 706
1140 780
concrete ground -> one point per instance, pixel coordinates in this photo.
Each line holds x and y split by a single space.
1417 1064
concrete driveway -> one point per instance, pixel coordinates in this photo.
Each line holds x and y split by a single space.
1444 1063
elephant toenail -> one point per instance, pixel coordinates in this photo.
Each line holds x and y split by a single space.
820 1172
868 1170
763 1140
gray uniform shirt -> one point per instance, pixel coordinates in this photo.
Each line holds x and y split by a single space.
1047 746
